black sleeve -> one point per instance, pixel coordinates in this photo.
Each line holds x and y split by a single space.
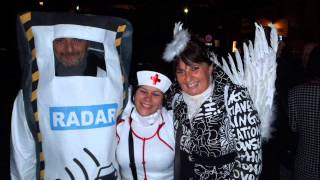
245 125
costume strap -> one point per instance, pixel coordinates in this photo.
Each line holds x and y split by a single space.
131 154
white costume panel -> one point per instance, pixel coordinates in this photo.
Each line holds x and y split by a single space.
23 156
153 139
77 113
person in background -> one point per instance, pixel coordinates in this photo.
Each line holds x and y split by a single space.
304 116
145 133
289 74
217 129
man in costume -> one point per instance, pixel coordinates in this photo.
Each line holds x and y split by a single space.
64 119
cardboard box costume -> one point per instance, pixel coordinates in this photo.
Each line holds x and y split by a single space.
64 127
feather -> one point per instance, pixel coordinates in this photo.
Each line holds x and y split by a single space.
212 56
239 63
178 44
177 28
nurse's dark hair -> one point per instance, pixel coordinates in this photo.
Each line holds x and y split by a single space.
135 87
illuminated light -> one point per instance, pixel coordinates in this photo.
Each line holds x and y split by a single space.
41 3
208 38
216 43
77 7
234 46
124 7
280 38
282 27
264 21
186 10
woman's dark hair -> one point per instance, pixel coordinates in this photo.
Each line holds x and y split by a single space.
195 52
135 87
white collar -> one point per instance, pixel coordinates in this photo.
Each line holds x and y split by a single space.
198 97
195 102
146 120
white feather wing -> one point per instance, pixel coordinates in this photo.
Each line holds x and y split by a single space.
257 72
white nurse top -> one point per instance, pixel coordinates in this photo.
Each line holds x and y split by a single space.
153 142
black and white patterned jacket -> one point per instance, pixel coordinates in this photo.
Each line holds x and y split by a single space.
223 139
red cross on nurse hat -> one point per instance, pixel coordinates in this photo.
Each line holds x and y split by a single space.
153 79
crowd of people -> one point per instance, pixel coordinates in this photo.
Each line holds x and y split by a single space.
76 122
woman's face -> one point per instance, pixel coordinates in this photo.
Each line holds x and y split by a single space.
194 78
148 100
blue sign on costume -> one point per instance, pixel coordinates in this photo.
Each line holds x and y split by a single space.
83 117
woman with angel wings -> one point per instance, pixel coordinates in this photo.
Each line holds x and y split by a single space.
221 113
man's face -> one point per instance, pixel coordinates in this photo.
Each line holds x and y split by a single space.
70 51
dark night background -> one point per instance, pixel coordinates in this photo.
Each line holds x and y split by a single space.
153 21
